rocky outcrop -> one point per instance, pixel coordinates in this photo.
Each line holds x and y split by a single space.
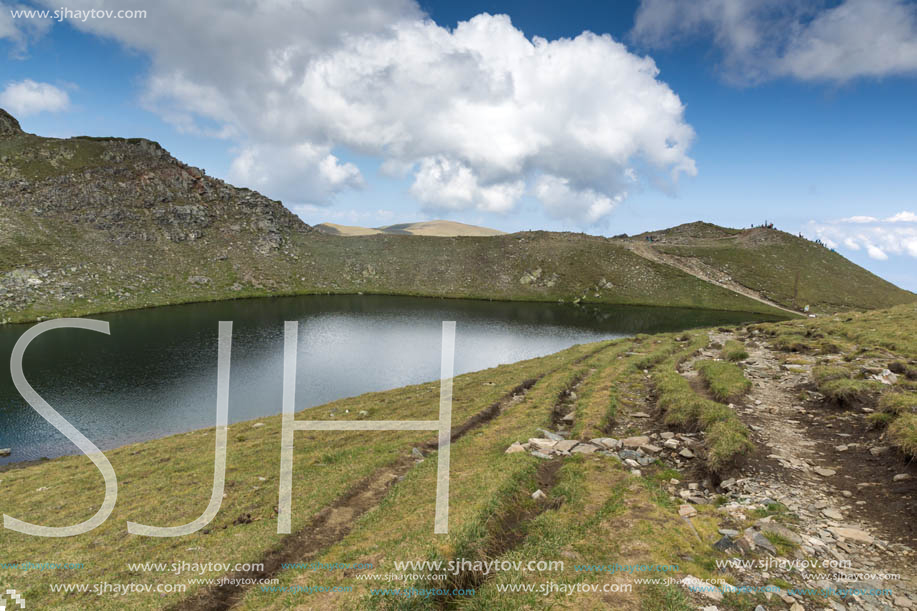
134 190
122 222
9 126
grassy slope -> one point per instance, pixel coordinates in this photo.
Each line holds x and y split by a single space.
768 261
598 512
89 259
140 274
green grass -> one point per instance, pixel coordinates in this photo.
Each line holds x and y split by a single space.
726 380
171 471
791 270
734 351
726 438
822 374
846 392
898 403
903 432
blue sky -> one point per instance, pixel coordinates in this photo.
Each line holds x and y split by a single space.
799 117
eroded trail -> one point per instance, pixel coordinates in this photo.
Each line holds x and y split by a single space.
337 520
834 476
701 271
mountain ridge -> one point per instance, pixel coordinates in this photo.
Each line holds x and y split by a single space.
90 225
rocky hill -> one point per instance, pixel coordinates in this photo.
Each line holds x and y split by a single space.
92 225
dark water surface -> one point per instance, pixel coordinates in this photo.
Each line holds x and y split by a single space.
156 373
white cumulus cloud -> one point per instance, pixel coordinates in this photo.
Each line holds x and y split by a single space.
894 235
27 97
762 39
476 116
21 28
561 201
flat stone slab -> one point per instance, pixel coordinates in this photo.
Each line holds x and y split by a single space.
687 511
854 534
566 445
635 442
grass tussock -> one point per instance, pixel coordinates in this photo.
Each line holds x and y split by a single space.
734 351
846 392
726 381
823 374
903 433
727 438
898 403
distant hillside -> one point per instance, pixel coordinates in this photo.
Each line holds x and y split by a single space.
443 229
778 266
93 225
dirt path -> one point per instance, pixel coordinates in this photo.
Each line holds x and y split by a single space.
830 471
703 272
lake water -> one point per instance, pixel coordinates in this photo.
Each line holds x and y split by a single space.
155 374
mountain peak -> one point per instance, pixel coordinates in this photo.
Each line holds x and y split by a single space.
9 126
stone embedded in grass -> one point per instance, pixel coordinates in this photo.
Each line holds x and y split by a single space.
609 443
538 495
543 444
513 449
779 530
565 446
695 585
763 542
584 448
635 442
550 435
687 511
